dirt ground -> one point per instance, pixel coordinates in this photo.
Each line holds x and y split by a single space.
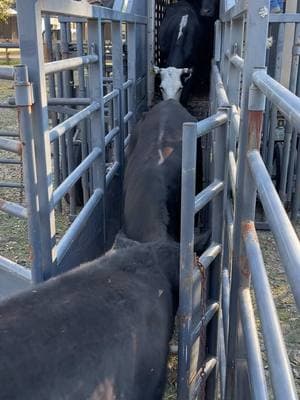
13 244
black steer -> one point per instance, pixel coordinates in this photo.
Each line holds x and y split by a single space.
152 186
186 47
99 332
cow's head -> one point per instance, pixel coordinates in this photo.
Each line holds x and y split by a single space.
172 81
209 8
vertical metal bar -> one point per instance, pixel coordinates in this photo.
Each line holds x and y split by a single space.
30 174
189 145
83 125
234 74
151 51
256 31
220 152
296 199
67 92
273 123
118 80
51 80
131 42
288 129
97 118
30 36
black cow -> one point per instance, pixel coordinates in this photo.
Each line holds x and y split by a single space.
152 186
98 332
186 47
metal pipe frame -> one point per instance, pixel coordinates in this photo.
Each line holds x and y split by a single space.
75 175
69 63
85 10
254 57
9 134
287 102
7 73
208 124
112 172
71 122
237 61
255 364
15 268
12 185
285 236
14 146
207 194
281 374
13 209
77 225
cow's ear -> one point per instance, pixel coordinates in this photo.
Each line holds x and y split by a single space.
186 74
156 69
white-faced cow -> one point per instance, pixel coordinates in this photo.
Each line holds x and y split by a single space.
99 332
152 186
186 47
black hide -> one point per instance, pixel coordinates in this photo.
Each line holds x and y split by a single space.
98 332
152 187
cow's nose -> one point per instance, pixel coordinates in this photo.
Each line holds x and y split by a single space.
206 12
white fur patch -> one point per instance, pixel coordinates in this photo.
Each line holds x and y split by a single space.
183 23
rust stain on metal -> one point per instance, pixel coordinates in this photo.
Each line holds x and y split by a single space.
244 267
254 129
249 231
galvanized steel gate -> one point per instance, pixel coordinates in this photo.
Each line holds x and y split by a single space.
218 333
99 219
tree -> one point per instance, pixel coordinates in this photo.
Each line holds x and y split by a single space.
4 7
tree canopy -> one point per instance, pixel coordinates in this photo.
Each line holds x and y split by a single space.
4 7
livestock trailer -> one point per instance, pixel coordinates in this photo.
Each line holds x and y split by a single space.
93 90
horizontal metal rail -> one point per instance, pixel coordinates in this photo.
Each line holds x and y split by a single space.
12 185
111 134
237 61
210 123
15 268
69 63
65 186
69 123
281 374
285 18
13 209
85 10
7 73
9 134
14 146
222 99
112 172
255 364
128 116
78 224
208 256
62 101
63 110
127 84
199 378
109 96
207 194
9 45
284 233
287 102
212 308
10 161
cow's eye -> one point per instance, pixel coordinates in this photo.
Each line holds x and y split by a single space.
162 88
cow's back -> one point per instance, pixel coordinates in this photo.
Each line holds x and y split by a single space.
153 174
98 332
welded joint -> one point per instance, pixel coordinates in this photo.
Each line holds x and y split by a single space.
24 94
257 100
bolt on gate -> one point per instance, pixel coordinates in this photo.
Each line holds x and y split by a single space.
218 339
94 227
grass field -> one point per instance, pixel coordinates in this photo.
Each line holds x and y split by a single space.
14 245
